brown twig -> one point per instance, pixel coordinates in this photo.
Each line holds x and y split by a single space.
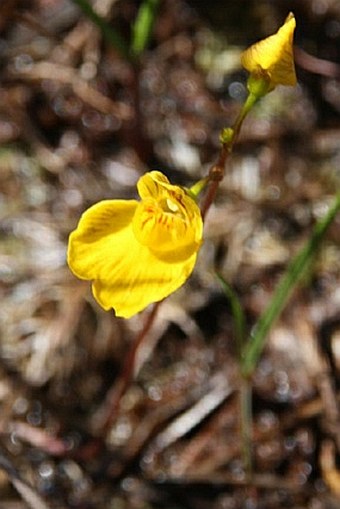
316 65
29 494
87 93
39 438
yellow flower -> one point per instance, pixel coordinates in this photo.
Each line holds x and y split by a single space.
272 58
137 252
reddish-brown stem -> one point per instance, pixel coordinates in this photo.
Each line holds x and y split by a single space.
209 197
108 412
216 174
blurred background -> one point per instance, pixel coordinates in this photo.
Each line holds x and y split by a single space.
79 123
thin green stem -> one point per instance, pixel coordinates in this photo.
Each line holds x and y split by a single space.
143 25
284 289
246 107
245 394
109 33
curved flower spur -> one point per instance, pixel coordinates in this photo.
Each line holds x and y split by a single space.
137 252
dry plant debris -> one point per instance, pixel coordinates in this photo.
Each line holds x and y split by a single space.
70 136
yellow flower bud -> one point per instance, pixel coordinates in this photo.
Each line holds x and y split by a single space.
271 60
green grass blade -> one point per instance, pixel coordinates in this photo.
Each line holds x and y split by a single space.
108 32
288 282
245 394
237 312
143 26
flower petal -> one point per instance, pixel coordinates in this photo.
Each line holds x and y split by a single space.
152 184
274 55
91 243
127 275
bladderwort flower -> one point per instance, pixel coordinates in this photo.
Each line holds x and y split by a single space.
137 252
271 61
